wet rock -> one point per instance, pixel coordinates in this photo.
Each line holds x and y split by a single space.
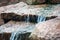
7 16
1 21
24 18
33 18
15 17
48 30
23 36
52 17
12 26
6 36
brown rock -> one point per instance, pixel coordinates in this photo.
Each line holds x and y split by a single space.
35 1
55 1
1 21
5 36
41 1
3 2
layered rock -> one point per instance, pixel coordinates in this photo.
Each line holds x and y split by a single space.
24 29
5 36
6 17
21 9
1 20
17 11
21 18
7 2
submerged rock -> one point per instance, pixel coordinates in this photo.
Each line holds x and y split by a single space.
48 30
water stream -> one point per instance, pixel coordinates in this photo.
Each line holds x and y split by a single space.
19 33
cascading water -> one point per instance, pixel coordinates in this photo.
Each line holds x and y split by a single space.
21 8
19 33
41 18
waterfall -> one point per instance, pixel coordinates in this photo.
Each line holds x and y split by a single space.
41 18
19 33
27 18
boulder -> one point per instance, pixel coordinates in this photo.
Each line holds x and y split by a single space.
47 30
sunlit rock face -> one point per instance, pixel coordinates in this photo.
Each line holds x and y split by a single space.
48 30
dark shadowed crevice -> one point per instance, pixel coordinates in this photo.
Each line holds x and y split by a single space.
23 18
